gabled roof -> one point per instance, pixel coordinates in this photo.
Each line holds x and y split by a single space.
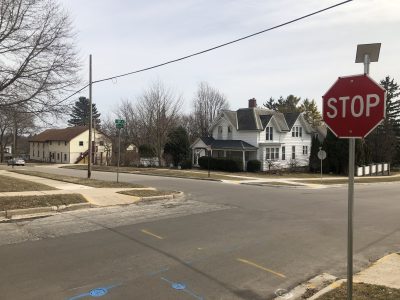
291 118
265 120
246 119
65 134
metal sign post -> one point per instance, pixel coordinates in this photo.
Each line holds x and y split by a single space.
119 124
321 155
352 108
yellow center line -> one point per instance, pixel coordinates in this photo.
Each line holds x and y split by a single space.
260 267
152 234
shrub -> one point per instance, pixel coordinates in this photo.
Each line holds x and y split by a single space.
254 165
221 164
186 164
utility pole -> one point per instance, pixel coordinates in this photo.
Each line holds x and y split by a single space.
89 169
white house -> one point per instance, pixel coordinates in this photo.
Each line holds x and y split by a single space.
70 146
278 140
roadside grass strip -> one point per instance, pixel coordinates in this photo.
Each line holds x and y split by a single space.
189 174
79 180
245 261
145 231
363 291
11 184
20 202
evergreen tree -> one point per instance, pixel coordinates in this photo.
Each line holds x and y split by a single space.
177 145
80 114
290 104
392 102
314 161
311 112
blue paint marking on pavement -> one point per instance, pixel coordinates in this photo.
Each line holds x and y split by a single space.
98 292
182 287
95 293
178 286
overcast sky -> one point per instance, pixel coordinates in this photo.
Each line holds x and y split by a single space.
303 58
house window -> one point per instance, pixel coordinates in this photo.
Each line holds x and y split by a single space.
271 153
297 131
305 150
65 143
269 133
80 143
65 157
229 132
220 132
283 153
58 156
38 153
293 152
101 143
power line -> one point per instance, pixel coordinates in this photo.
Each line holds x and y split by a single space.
212 48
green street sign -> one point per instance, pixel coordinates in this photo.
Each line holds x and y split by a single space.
119 123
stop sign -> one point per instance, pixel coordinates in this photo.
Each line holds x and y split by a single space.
354 106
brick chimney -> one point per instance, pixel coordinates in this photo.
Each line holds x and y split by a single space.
252 103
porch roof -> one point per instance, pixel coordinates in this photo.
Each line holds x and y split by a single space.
228 144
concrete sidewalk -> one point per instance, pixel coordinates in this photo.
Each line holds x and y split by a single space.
95 196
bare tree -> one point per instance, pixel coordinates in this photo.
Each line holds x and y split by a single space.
207 104
38 61
6 125
157 111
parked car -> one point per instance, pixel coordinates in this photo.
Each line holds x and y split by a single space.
16 162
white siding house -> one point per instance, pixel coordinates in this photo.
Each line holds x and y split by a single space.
69 145
278 140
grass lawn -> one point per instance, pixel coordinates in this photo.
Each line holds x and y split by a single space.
16 202
10 184
79 180
146 193
198 174
363 291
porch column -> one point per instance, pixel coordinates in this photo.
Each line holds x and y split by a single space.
244 160
225 153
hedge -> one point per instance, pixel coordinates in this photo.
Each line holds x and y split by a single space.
253 165
221 164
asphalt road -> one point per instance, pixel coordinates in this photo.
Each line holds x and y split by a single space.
257 240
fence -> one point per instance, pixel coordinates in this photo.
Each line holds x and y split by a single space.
374 170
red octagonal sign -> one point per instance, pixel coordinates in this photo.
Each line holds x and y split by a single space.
354 106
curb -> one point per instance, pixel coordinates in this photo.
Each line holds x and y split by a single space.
149 174
41 211
329 288
165 197
308 289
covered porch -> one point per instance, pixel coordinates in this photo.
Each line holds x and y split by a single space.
229 149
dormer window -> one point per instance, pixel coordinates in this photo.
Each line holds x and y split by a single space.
269 133
220 132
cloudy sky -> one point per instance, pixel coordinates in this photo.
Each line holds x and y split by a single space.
303 58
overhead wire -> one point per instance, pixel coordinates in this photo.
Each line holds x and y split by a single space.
209 49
